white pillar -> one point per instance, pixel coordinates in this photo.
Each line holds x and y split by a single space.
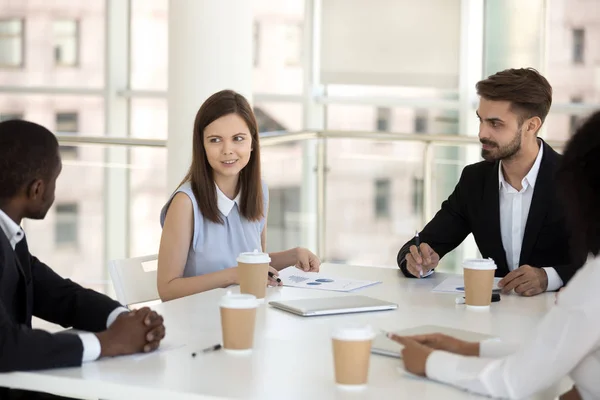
471 72
313 218
116 110
210 49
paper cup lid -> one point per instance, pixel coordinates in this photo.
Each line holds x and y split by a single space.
354 334
254 257
479 263
238 301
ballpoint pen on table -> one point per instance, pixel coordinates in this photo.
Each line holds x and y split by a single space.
209 349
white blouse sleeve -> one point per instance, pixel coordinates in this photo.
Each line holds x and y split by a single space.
494 348
565 336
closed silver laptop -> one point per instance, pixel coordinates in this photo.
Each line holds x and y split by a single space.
333 305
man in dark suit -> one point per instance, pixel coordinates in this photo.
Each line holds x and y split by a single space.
508 201
29 166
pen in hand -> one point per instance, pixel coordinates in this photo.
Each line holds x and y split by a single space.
418 244
272 275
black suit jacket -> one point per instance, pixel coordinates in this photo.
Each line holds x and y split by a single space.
474 207
32 288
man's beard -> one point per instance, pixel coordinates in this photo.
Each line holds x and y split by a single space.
504 152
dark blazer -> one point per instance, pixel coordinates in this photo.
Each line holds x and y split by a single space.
29 287
474 207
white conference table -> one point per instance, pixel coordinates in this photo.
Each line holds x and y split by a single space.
292 358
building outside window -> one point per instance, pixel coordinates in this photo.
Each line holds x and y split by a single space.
66 42
382 197
578 46
67 122
384 116
575 119
421 121
67 225
417 198
11 43
9 116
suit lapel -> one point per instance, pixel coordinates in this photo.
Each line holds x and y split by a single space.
542 193
492 217
25 271
21 268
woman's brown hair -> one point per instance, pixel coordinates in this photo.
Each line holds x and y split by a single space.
200 173
578 178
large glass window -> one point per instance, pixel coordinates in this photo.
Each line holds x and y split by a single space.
278 46
284 222
278 116
282 171
53 44
147 176
374 189
571 68
71 237
149 44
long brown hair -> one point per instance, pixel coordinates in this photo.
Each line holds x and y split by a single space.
529 93
200 173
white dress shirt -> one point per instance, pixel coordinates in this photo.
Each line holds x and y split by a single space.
567 341
91 344
514 210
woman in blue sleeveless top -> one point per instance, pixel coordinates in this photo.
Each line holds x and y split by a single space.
220 209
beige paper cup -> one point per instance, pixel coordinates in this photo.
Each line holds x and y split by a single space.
479 282
351 355
253 272
238 317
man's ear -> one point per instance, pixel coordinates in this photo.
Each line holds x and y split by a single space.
35 189
533 125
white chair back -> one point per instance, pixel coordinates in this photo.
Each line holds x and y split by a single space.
134 279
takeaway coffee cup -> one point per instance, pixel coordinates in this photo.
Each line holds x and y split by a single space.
253 272
479 282
351 355
238 316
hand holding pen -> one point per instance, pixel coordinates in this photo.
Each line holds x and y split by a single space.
421 259
274 278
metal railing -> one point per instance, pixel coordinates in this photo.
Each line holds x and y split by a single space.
276 138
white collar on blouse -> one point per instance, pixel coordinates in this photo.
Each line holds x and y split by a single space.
224 203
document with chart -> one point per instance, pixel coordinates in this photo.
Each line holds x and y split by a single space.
456 284
294 277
